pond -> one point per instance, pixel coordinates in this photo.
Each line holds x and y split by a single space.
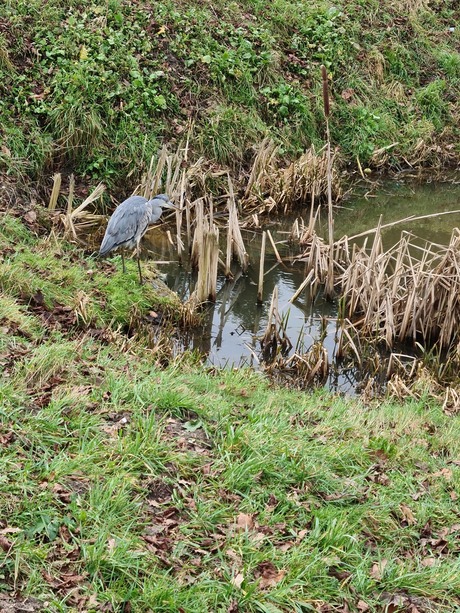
235 324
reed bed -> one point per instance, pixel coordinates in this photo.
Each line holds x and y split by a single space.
271 187
407 293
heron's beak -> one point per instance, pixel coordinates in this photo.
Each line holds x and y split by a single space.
170 205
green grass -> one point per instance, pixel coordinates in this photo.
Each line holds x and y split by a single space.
97 89
124 485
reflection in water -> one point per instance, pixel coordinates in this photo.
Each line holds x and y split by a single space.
236 322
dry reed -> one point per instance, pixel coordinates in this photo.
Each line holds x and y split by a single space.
57 179
406 293
273 187
260 287
208 259
78 220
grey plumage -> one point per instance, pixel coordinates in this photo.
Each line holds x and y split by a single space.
129 223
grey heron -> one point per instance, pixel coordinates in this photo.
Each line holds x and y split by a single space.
130 221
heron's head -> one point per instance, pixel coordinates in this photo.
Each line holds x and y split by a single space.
165 202
157 205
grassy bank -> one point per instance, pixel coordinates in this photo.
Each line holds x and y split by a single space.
126 486
96 89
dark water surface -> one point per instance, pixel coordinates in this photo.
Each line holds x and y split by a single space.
235 323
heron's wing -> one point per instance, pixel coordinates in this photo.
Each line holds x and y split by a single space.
127 224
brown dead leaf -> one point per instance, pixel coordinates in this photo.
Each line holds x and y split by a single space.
347 94
428 562
30 217
5 544
237 580
378 569
362 606
245 521
9 530
268 575
408 515
444 472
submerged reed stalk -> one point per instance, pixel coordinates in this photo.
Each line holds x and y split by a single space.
238 248
260 287
206 287
198 234
277 255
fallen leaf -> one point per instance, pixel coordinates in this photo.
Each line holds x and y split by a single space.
408 516
5 544
428 562
237 580
268 574
378 569
245 521
444 472
362 606
10 530
30 217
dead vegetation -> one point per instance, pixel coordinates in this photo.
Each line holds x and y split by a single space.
274 188
407 294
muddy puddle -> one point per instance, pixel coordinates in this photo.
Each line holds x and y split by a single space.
235 324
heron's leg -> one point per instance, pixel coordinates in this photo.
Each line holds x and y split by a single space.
139 264
123 262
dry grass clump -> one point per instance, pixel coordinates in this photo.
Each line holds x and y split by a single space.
303 370
435 150
272 187
275 342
